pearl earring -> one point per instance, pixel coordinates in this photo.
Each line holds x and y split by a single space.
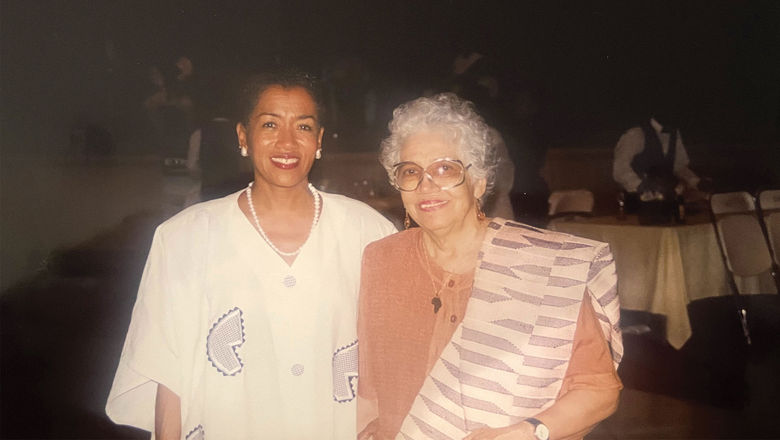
318 153
244 152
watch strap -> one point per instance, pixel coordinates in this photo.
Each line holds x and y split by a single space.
536 423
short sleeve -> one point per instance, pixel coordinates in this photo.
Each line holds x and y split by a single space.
149 354
591 365
597 346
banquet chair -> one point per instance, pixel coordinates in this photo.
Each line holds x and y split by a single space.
741 241
570 204
769 207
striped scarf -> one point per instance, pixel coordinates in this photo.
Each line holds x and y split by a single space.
507 359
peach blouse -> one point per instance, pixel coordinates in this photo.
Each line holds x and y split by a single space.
401 338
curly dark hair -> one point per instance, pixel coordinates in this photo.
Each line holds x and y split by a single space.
287 78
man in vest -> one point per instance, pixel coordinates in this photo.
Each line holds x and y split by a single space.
651 165
651 158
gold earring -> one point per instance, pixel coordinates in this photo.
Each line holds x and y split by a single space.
480 212
407 221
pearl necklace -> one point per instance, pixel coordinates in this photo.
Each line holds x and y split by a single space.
314 222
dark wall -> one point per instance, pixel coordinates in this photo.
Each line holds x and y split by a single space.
594 67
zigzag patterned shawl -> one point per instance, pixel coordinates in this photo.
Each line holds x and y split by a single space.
507 359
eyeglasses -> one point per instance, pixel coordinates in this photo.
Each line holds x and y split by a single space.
445 173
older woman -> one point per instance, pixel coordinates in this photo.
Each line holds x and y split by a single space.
244 326
472 327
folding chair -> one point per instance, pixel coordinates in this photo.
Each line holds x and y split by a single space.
740 238
769 209
570 204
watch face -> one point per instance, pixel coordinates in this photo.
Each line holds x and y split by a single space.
541 432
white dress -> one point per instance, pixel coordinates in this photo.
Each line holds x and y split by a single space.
253 347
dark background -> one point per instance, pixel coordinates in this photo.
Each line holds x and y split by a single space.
593 67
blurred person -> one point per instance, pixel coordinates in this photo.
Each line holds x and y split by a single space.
499 202
475 78
155 99
184 89
212 146
352 103
181 82
245 321
507 101
174 104
651 162
472 327
186 68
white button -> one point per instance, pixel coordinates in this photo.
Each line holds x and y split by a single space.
289 281
296 369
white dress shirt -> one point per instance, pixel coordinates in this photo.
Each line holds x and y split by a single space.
632 142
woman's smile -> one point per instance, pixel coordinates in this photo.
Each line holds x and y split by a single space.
285 161
432 205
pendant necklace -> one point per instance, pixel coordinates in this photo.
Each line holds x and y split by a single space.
314 221
435 301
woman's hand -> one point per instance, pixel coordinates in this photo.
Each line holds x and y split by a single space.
167 414
368 432
521 431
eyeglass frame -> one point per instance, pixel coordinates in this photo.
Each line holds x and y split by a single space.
425 173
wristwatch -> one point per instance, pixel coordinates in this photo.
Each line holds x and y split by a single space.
541 432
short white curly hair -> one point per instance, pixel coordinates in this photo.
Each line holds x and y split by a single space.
445 112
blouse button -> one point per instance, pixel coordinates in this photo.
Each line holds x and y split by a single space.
451 283
453 318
